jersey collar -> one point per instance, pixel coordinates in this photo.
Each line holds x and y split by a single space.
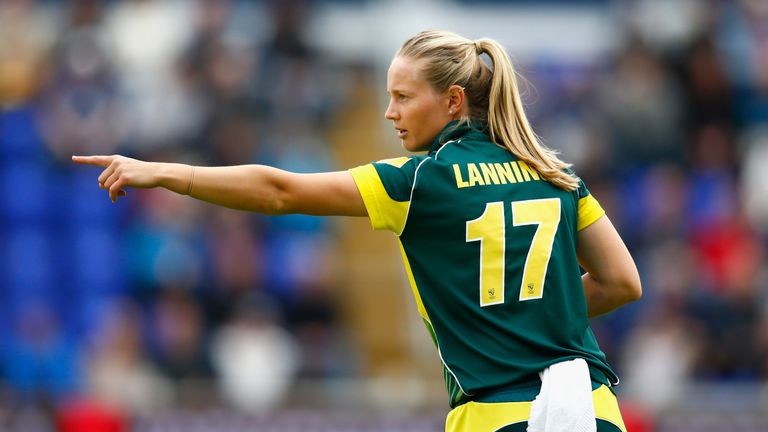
457 130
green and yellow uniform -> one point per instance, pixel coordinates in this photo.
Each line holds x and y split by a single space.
490 252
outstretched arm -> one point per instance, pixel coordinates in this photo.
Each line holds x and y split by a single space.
611 279
257 188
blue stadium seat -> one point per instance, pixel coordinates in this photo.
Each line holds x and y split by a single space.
19 134
24 186
89 205
96 261
28 264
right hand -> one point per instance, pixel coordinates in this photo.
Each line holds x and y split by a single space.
121 172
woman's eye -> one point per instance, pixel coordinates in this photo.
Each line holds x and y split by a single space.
402 97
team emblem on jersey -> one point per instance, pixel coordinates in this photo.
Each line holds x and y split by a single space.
492 292
530 288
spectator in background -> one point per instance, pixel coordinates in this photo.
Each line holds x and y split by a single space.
40 363
255 358
301 86
237 263
742 35
147 39
179 339
708 92
754 188
79 101
26 34
218 66
119 373
326 352
641 103
711 176
659 359
163 249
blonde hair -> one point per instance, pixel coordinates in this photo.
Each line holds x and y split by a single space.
492 95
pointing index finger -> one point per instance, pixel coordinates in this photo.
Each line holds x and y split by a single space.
102 161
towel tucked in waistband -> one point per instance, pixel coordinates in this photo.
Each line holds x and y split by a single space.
564 403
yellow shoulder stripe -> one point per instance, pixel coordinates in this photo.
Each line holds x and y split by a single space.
589 212
383 211
397 162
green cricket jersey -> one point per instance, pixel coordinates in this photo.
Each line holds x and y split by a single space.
490 252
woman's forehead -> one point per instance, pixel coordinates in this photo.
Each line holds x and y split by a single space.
404 72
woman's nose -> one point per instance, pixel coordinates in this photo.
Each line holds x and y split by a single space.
390 113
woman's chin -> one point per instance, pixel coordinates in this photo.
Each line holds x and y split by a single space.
412 146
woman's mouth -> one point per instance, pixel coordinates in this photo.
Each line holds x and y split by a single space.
401 133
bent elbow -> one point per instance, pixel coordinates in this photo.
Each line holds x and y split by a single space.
633 289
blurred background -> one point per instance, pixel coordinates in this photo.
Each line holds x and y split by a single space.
161 313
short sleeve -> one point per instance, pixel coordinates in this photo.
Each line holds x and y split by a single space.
589 209
386 190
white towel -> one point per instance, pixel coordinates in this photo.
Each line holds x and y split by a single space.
564 403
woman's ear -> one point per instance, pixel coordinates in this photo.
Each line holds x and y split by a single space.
456 100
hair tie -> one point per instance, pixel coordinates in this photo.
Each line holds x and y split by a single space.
478 50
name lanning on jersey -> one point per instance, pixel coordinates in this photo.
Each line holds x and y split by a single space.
496 173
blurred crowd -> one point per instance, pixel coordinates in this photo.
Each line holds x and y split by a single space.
674 136
144 303
137 304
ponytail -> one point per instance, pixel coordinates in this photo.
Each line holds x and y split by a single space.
492 94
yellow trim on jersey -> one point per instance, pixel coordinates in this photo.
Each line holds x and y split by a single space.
486 417
490 417
414 288
589 212
397 162
607 407
383 211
